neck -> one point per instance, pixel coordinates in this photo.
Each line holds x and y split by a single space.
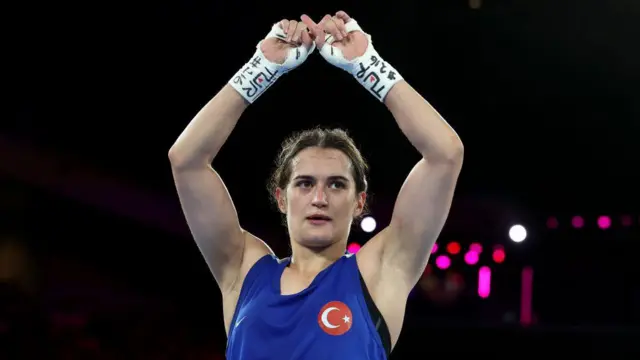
311 261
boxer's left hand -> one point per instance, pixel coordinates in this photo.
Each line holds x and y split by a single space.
343 44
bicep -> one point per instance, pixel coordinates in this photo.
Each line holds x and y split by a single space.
393 260
213 222
419 214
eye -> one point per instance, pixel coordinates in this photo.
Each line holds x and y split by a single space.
337 185
304 184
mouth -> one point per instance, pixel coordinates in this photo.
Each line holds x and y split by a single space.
318 219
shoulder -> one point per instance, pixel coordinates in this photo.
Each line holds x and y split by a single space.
257 258
255 249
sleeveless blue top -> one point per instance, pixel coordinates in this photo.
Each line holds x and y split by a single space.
327 320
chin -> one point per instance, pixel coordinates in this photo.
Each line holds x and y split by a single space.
316 240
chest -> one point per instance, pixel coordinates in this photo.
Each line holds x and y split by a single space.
314 315
291 284
324 318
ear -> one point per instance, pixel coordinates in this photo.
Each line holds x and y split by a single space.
282 201
361 199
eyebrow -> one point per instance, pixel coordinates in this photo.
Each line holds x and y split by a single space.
332 177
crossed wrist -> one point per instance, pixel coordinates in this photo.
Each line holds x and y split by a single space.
255 77
370 70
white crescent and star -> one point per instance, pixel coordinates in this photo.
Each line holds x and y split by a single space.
325 318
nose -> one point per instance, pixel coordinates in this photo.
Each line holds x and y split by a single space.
319 197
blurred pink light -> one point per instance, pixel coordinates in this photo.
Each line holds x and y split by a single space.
353 248
471 257
626 220
476 248
499 255
604 222
453 247
484 282
434 248
552 222
443 262
577 222
526 295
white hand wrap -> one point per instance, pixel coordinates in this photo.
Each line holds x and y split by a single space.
370 70
253 79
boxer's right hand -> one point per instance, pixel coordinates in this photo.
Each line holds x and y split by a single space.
288 44
286 47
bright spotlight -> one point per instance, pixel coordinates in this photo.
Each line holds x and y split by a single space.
517 233
368 224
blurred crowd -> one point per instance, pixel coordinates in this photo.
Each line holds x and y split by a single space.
54 318
30 329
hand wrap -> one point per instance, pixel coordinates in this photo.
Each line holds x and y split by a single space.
254 78
371 71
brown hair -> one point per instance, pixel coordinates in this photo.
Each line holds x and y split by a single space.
318 137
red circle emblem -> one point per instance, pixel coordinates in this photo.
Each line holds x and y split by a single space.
335 318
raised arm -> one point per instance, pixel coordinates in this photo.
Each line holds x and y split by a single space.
393 261
211 216
424 200
206 204
402 249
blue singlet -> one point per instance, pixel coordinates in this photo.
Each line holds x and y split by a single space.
331 319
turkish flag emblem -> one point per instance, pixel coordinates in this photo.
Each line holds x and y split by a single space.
335 318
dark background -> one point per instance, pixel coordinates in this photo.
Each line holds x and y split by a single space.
95 258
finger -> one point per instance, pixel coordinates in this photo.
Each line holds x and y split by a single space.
331 28
300 28
292 30
284 25
308 21
340 25
316 30
307 40
323 23
343 16
323 27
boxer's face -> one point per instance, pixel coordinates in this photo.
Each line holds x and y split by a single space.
320 200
